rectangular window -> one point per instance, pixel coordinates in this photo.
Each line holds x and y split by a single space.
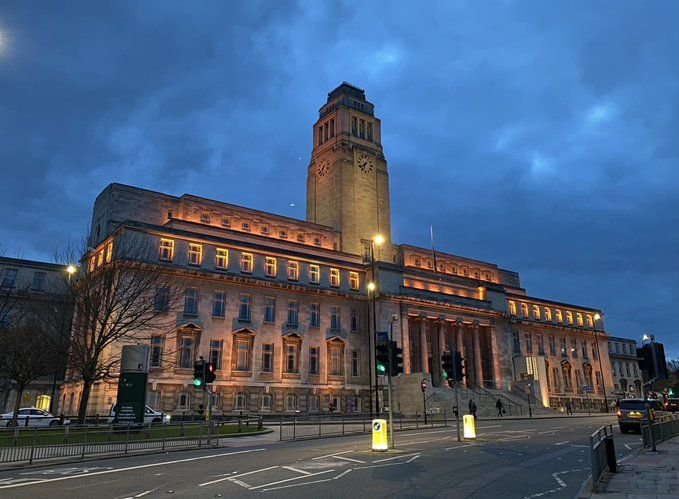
156 351
541 345
300 238
109 252
292 313
354 126
246 263
524 310
353 281
536 312
290 402
270 266
335 278
559 316
266 404
161 301
245 226
100 258
222 259
579 318
355 323
512 307
191 301
39 281
293 271
244 307
283 234
216 353
269 309
226 222
369 135
569 316
336 361
590 323
186 353
239 403
205 218
548 314
195 254
552 345
361 128
267 358
314 274
314 355
315 315
564 351
355 363
264 230
584 350
529 343
219 304
516 343
291 364
166 250
242 355
574 348
334 317
317 241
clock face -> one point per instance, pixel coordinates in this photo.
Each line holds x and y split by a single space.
323 166
365 163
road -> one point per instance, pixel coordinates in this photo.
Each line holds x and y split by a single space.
509 459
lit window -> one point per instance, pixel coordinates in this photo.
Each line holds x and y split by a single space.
353 280
569 316
335 278
267 357
512 307
579 317
315 315
314 274
191 301
270 266
590 322
293 271
246 263
524 310
559 315
334 317
100 258
292 313
536 312
244 307
195 254
219 304
222 259
548 314
166 250
269 309
109 252
93 262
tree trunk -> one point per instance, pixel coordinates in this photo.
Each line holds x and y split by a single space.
17 406
84 399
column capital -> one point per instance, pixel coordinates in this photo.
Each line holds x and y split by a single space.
476 324
422 317
459 322
441 319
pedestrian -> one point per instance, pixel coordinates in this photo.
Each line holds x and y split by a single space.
500 408
569 408
472 408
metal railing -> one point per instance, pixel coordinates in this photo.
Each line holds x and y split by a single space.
660 429
33 444
602 451
511 406
320 426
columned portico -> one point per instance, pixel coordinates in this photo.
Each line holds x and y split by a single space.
478 363
424 351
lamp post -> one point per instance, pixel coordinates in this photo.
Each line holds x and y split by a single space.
597 316
371 348
372 288
70 270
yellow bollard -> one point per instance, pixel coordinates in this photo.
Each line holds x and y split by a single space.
469 426
380 441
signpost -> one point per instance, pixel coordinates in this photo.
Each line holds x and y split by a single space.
131 397
587 389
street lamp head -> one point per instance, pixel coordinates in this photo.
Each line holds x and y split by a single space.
371 286
597 316
71 269
378 239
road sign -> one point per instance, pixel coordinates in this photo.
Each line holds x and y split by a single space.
382 337
586 388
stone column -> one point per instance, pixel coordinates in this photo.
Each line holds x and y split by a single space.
441 348
405 342
495 356
459 344
424 351
478 366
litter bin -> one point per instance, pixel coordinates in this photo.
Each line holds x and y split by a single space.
610 454
380 435
469 426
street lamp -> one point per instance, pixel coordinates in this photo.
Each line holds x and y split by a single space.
70 270
597 316
372 288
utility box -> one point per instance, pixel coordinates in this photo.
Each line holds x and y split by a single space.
469 426
380 440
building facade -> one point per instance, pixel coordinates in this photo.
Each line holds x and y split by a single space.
282 306
627 379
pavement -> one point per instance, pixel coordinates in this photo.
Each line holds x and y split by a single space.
644 474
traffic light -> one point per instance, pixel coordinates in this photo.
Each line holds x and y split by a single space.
395 359
447 365
459 367
382 358
210 373
199 374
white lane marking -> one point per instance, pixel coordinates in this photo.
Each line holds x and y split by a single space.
572 445
332 455
237 476
296 470
461 446
562 443
299 484
492 426
412 458
417 442
141 466
395 457
290 479
349 459
548 431
633 443
342 474
241 483
559 480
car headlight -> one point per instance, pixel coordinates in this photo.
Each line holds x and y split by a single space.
166 418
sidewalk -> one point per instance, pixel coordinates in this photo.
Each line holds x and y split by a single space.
645 475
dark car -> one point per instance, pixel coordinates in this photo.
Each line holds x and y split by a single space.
672 405
632 413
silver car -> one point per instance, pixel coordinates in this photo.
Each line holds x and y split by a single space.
32 416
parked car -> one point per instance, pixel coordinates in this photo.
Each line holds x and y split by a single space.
672 405
32 416
151 416
632 413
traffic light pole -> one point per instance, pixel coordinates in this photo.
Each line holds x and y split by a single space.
391 368
457 398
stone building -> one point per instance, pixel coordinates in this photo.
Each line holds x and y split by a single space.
627 380
25 286
282 306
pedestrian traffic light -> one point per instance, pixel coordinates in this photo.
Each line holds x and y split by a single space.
459 367
395 359
199 374
382 358
447 366
210 375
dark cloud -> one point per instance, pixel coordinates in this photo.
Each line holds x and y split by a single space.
538 135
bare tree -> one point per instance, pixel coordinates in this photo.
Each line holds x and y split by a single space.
118 299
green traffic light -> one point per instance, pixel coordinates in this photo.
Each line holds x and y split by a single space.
445 375
197 382
381 368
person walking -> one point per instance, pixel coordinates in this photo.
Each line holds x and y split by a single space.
569 408
500 408
472 408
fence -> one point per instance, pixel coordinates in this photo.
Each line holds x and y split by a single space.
602 452
659 430
319 426
33 444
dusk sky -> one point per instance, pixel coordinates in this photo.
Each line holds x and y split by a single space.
542 136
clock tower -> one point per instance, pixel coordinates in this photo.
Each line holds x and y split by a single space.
347 181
